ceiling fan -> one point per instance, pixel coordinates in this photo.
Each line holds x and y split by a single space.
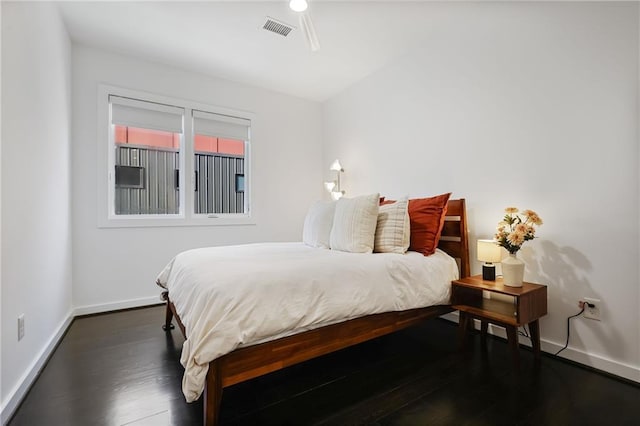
306 25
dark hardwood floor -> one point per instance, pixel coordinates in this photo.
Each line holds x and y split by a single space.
122 369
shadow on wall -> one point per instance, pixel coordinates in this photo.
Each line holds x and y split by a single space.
564 270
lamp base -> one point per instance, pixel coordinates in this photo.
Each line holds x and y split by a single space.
489 272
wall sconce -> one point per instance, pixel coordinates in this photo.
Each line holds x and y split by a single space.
298 5
333 186
489 252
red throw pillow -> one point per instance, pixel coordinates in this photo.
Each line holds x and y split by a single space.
426 216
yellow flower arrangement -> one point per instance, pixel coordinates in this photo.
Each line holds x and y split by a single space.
514 230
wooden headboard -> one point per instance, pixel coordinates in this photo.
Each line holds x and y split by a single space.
454 239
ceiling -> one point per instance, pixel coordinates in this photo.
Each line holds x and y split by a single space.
225 39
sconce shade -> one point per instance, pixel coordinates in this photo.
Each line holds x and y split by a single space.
336 166
336 195
330 185
489 251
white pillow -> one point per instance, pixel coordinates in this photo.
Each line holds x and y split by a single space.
318 223
354 224
393 231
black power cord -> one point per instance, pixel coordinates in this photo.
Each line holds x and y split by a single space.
584 306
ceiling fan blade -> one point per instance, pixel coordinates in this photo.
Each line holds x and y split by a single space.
309 32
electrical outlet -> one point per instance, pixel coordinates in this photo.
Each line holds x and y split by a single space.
592 312
20 327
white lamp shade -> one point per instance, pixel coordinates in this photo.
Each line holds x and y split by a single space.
489 251
330 185
336 166
336 195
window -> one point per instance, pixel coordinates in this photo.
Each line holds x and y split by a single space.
239 183
173 162
146 138
130 177
219 148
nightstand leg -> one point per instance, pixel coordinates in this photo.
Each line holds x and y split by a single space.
484 326
463 328
512 335
534 329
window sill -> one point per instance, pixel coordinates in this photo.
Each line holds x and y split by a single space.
176 221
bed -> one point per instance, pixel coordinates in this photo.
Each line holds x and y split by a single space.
252 355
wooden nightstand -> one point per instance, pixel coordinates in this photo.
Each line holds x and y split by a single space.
529 304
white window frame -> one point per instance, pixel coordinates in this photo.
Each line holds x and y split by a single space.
186 216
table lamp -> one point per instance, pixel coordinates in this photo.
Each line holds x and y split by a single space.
489 253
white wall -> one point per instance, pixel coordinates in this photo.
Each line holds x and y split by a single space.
117 267
1 399
36 189
527 104
638 149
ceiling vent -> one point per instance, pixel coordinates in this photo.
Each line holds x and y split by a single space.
277 27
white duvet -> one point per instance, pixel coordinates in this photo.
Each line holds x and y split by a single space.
242 295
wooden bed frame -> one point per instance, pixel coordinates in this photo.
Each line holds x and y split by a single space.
252 361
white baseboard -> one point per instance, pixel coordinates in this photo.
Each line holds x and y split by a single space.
114 306
616 368
18 393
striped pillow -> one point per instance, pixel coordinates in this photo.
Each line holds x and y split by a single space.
354 224
393 231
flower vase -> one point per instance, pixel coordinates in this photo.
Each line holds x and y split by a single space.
512 271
